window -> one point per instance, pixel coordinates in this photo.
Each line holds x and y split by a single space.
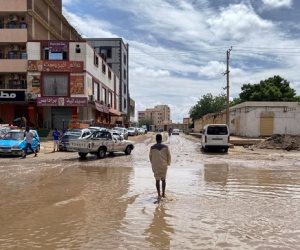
124 74
125 104
106 52
109 74
96 91
110 99
103 68
48 55
124 59
96 60
125 89
103 95
55 85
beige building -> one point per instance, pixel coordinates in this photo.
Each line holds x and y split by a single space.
159 116
22 21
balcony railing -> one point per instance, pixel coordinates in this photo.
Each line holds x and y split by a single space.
14 85
13 25
14 55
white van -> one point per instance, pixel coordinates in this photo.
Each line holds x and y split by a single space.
215 136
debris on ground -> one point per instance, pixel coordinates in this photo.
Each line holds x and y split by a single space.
277 141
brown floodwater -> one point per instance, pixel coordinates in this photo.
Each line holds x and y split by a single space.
214 201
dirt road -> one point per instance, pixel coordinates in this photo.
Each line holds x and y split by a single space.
241 200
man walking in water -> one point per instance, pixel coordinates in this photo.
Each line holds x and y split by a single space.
28 138
160 159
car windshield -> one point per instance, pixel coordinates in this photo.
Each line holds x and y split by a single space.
131 128
13 136
71 135
217 130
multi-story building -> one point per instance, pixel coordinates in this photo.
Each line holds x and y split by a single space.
115 52
22 21
77 86
48 73
159 116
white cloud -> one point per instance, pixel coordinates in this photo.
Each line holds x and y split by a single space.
278 3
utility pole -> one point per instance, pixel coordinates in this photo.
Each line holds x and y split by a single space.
227 85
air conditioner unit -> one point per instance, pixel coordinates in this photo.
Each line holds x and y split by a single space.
13 18
31 96
91 98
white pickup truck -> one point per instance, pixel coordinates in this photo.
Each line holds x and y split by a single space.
100 143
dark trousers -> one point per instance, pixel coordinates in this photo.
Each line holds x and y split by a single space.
28 145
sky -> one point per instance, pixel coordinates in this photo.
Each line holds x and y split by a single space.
177 48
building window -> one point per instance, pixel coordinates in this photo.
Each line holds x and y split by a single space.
110 99
125 104
104 96
103 68
125 89
96 91
124 59
48 55
124 74
106 52
55 85
109 74
96 60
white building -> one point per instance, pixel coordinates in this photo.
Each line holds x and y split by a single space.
254 119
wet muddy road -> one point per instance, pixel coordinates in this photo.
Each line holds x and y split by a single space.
241 200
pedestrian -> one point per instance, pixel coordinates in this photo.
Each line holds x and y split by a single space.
160 159
56 135
28 138
170 131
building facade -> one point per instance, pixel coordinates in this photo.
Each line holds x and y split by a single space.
159 116
48 73
256 119
115 52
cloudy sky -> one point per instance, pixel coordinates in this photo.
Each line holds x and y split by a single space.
178 47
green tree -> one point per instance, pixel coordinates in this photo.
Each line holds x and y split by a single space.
207 104
272 89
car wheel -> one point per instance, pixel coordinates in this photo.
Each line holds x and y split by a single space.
203 149
128 150
101 153
225 150
82 155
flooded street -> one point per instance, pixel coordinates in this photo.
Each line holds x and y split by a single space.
241 200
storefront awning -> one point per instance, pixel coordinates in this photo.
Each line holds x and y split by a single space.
114 112
101 108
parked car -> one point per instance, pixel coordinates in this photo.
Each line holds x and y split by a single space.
117 134
141 131
3 131
100 143
132 131
123 131
215 136
175 131
13 142
94 128
72 134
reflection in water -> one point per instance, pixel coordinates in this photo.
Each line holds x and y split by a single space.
158 234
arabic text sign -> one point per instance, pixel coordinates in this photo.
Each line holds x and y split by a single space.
16 96
62 101
57 46
55 66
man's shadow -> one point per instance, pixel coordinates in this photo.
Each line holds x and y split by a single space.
158 234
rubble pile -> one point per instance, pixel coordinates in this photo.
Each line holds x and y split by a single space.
286 142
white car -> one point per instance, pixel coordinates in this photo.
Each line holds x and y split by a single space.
175 131
215 136
100 143
123 131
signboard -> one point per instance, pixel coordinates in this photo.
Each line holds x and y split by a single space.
62 101
10 95
76 85
57 46
55 66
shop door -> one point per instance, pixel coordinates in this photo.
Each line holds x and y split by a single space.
266 124
61 117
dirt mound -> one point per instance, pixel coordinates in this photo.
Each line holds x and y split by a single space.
287 142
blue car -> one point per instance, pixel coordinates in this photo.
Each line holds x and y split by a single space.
13 142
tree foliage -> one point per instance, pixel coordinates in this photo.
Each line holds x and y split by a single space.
146 121
272 89
207 104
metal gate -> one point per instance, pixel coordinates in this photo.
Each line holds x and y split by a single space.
61 117
266 124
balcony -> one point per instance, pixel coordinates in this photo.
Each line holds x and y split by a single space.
13 6
13 35
13 65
